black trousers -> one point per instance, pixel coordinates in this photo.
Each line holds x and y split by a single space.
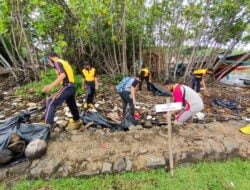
90 86
196 84
65 93
147 81
127 99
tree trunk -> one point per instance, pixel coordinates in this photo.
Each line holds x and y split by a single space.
124 45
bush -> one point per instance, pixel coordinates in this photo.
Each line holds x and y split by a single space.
36 88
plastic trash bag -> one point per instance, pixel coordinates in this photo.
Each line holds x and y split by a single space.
98 119
158 91
230 104
27 132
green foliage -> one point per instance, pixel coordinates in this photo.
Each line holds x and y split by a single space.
107 80
227 175
47 77
3 17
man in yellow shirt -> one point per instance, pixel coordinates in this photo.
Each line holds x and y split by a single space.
144 75
89 82
198 78
65 93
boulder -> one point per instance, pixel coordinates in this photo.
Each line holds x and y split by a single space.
119 165
36 149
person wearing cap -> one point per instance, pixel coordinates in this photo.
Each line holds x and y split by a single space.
198 76
144 75
66 92
191 101
89 82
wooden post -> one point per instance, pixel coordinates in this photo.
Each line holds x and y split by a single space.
171 163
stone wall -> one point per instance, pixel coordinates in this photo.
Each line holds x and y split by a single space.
94 151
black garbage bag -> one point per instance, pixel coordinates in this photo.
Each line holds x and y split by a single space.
159 91
230 104
27 132
99 119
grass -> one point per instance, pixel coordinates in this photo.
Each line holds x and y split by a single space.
36 88
234 174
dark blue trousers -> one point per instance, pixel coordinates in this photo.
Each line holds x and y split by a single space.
65 93
126 98
90 86
196 84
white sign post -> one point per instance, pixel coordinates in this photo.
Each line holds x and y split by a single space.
168 107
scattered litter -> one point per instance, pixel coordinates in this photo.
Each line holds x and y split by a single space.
230 104
15 133
159 91
246 129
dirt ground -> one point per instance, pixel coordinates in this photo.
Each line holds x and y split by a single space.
96 150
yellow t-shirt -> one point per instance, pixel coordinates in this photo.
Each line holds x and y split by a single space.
199 73
63 66
89 75
146 72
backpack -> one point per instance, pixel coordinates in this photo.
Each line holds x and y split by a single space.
123 84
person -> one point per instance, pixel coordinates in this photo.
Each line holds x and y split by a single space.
89 82
127 91
66 92
145 75
198 78
191 101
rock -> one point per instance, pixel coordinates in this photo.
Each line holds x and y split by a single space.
55 119
36 172
137 107
155 162
149 117
34 163
36 148
148 124
19 169
31 104
2 117
3 174
93 168
68 114
217 150
66 109
139 162
119 165
62 124
97 105
231 145
51 166
128 164
106 167
64 171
